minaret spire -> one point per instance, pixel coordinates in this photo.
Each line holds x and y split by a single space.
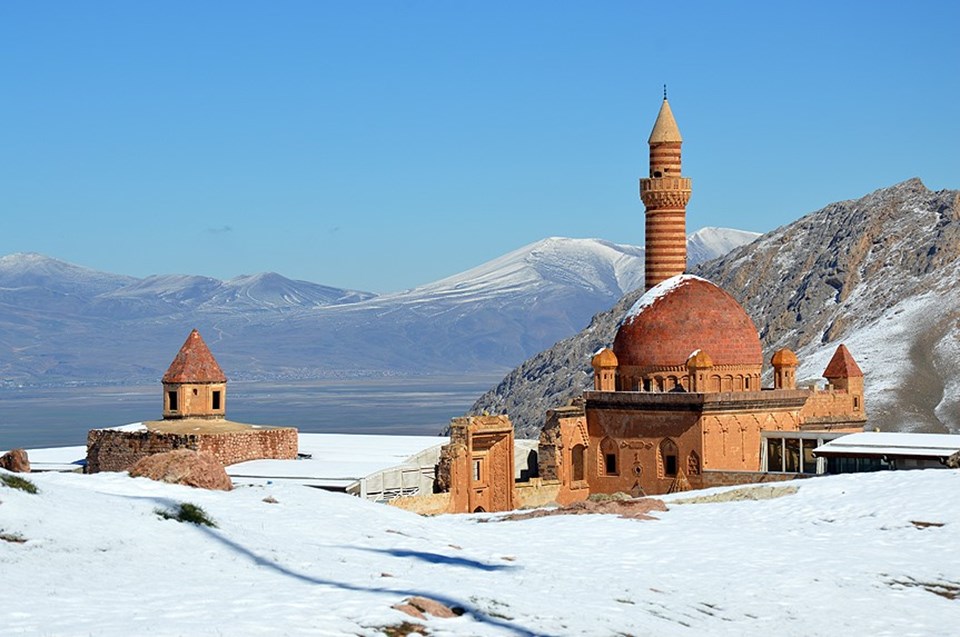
665 194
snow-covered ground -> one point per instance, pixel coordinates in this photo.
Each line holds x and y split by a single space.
868 554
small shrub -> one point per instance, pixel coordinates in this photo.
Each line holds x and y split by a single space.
16 482
186 512
619 496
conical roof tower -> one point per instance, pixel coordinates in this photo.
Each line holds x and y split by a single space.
194 385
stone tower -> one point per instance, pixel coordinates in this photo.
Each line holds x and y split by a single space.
194 385
665 194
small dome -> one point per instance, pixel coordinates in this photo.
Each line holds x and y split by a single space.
604 358
699 360
784 358
681 314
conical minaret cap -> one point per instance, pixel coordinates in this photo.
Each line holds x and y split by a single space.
665 129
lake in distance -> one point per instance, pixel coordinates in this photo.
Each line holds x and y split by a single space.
411 405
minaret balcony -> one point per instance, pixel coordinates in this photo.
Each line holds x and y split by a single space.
664 184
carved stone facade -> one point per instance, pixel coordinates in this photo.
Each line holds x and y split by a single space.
477 466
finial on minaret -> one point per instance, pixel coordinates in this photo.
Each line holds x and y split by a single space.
664 92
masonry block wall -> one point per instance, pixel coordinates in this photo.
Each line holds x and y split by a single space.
111 450
834 410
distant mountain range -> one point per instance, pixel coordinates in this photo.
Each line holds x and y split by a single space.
878 273
65 324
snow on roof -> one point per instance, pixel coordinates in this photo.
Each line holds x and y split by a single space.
336 459
657 292
892 444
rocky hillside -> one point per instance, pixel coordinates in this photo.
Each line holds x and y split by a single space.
878 273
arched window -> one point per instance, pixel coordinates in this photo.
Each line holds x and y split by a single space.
609 460
577 454
727 383
693 464
667 458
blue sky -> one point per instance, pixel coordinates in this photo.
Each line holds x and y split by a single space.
383 145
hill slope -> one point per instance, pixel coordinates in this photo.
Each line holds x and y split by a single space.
877 273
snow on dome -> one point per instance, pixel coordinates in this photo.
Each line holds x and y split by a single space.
683 313
657 292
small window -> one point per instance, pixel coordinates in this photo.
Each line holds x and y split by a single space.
172 400
657 174
856 403
610 463
476 470
670 466
667 458
608 453
216 400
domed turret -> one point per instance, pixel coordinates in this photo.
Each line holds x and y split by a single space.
784 369
604 364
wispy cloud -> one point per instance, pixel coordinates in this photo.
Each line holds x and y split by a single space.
220 230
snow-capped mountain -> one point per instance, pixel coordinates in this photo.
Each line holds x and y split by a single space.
121 329
878 273
709 243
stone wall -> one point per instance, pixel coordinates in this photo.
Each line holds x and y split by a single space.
112 450
832 409
735 478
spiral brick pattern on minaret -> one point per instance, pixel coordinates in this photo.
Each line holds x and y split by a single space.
665 194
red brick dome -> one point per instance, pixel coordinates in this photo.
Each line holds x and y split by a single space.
683 314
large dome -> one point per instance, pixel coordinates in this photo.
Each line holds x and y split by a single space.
681 315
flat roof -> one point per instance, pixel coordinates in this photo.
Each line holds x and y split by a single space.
885 443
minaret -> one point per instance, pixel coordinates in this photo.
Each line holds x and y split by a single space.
665 194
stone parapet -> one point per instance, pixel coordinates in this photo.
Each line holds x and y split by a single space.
689 401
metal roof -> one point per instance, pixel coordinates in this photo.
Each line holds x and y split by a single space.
870 443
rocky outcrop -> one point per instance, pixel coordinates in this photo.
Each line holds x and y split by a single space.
186 467
878 273
420 607
15 460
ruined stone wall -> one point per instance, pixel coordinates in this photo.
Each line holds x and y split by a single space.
559 458
734 478
111 450
477 467
537 493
